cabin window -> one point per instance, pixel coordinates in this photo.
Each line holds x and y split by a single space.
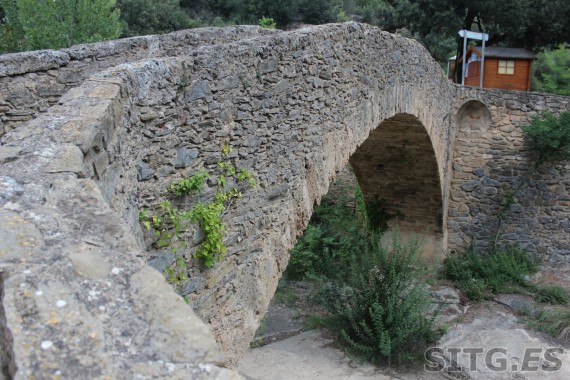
506 67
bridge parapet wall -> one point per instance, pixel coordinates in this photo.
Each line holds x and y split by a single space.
31 82
491 158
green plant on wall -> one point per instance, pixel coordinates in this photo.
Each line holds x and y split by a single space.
267 23
170 223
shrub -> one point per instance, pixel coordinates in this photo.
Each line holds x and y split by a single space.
378 304
33 24
551 71
333 234
267 23
549 136
481 274
552 294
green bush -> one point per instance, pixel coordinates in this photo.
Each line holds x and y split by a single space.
33 24
378 303
144 17
549 136
552 294
551 71
267 22
330 239
481 274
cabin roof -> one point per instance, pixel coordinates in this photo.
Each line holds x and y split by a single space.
504 52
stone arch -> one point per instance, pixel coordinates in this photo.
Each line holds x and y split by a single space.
397 163
472 120
295 107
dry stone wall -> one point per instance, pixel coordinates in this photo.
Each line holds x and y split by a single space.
294 106
491 158
31 82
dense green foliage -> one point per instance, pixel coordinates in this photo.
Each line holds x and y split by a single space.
551 71
549 136
499 271
143 17
52 24
480 275
373 293
378 303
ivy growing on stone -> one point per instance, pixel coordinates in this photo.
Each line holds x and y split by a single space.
170 223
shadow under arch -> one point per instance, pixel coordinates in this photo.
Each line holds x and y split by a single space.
398 164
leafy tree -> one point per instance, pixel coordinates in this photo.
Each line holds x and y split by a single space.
53 24
143 17
551 71
518 23
11 32
318 11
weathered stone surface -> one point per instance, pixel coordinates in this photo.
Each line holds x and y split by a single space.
68 158
19 63
9 188
144 171
177 328
185 157
31 81
9 153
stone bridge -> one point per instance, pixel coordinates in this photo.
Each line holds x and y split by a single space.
93 133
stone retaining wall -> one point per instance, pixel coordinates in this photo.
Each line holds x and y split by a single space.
491 158
33 81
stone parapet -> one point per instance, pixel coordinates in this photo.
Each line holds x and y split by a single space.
31 82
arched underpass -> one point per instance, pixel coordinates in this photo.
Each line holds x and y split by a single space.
397 164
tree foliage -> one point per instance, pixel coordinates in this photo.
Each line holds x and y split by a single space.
549 136
518 23
53 24
144 17
551 71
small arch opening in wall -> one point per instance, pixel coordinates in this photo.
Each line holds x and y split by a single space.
473 115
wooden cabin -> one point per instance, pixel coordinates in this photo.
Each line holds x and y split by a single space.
504 68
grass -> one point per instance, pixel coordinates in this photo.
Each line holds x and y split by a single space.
480 275
551 294
555 322
285 296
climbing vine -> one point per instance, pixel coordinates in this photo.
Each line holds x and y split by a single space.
169 222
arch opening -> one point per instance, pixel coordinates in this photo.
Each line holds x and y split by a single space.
397 164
